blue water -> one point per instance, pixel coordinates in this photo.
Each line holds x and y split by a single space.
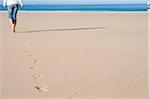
94 7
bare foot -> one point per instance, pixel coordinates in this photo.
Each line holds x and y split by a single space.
13 28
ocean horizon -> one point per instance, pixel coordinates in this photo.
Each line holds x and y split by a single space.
84 7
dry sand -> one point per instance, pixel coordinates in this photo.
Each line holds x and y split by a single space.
75 56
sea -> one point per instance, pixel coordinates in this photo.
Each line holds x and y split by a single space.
84 7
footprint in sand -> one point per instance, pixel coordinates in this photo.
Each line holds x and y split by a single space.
42 88
36 76
31 55
34 57
37 68
36 61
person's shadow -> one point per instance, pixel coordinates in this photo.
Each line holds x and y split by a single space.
61 29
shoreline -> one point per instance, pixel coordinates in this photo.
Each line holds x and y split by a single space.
38 11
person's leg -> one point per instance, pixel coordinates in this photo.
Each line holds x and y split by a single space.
15 10
10 15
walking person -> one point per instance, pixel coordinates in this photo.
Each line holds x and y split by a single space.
12 6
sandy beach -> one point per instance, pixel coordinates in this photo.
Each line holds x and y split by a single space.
75 56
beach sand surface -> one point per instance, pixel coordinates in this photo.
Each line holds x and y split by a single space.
75 56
